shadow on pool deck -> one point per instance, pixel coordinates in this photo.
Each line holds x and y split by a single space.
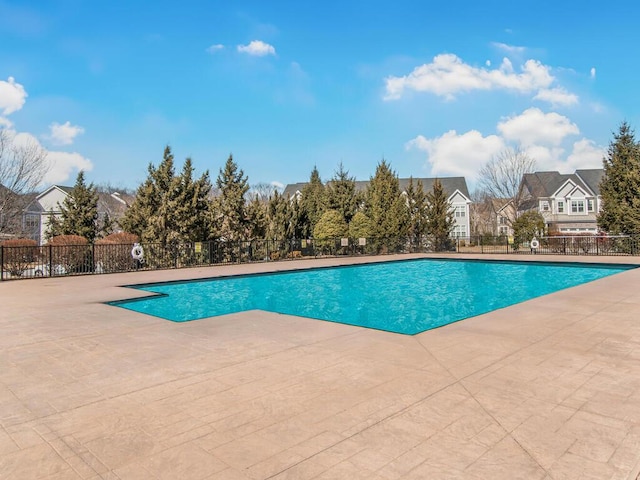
549 388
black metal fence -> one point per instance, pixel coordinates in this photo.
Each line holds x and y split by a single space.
552 245
58 260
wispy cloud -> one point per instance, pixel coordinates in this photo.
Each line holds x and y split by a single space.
510 49
257 48
215 48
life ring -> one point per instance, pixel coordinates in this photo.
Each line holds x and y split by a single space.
137 252
534 243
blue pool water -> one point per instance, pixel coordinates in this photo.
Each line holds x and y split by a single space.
408 296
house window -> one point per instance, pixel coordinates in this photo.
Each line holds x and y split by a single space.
31 221
577 206
502 230
590 205
544 206
502 220
560 206
460 211
459 231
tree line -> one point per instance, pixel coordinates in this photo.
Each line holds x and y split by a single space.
173 207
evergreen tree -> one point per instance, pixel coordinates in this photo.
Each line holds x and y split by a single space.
257 218
79 211
151 215
331 225
190 205
170 209
360 226
341 194
312 203
440 219
233 187
278 217
108 225
385 206
620 187
528 225
417 213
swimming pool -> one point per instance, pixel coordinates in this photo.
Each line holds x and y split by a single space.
407 296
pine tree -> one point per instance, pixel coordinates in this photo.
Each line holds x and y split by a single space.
312 202
440 219
79 211
230 204
417 214
170 209
620 187
190 205
360 226
278 217
385 206
341 194
257 218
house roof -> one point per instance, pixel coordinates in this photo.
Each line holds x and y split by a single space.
546 184
592 178
449 184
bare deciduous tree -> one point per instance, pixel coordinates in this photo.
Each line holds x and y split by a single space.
501 178
23 165
263 191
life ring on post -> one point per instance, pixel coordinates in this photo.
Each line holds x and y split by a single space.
137 252
534 243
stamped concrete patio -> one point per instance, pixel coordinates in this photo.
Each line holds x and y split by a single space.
548 389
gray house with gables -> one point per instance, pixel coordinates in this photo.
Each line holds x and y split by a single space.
569 203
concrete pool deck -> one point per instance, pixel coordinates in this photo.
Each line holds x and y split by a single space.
547 389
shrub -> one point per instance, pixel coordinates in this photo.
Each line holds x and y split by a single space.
70 254
113 252
18 254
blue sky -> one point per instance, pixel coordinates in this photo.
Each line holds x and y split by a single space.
436 88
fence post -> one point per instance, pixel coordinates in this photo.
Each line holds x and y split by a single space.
50 260
1 263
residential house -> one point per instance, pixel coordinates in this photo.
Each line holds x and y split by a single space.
569 203
37 215
455 188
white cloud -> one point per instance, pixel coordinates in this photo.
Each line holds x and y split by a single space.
534 127
454 154
257 48
63 164
215 48
557 96
64 134
447 75
586 154
12 96
5 123
592 72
